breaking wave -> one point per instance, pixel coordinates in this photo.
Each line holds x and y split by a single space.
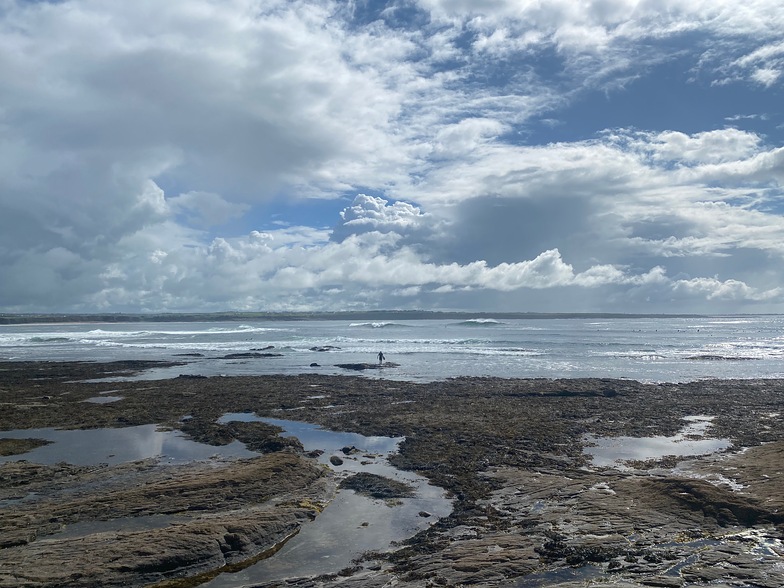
377 325
479 322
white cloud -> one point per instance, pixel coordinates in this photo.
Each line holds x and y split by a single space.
708 147
465 137
132 134
375 214
766 76
734 290
763 65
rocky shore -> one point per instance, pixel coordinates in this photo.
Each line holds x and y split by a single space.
531 507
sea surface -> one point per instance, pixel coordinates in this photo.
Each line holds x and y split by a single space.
645 349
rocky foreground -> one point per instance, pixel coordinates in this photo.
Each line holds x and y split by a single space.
530 508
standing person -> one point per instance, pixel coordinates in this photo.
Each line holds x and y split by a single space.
381 357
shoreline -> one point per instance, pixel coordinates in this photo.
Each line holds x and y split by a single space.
528 503
115 318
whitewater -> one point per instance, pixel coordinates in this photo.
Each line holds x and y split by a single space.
651 349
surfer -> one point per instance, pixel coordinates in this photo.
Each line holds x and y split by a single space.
381 357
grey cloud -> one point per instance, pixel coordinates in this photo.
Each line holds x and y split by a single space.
205 209
502 230
226 105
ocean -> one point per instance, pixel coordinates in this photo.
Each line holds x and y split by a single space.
648 349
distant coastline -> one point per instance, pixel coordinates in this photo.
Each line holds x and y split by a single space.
372 315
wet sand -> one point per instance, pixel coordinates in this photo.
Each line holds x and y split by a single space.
530 507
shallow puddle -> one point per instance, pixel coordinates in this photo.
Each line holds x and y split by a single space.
124 525
582 575
348 527
351 524
690 441
103 399
114 446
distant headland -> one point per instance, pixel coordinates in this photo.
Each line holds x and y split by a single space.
369 315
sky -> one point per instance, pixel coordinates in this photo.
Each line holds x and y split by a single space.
475 155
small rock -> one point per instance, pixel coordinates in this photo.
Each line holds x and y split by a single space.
335 460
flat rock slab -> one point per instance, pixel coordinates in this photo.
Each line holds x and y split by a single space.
200 517
530 507
366 366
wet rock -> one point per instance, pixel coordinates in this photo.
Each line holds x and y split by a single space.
366 366
708 357
376 486
257 436
335 460
238 526
721 504
20 446
250 355
510 452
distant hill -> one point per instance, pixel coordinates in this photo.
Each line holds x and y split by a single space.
371 315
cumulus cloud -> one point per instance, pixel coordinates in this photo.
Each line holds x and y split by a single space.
143 145
376 214
715 146
733 290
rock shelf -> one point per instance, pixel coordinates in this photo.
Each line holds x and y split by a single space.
530 507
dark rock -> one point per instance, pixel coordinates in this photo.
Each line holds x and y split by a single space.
366 366
518 469
324 348
335 460
706 357
377 486
251 354
314 364
721 504
20 446
192 377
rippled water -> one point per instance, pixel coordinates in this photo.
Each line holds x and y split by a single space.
647 349
351 524
114 446
691 440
